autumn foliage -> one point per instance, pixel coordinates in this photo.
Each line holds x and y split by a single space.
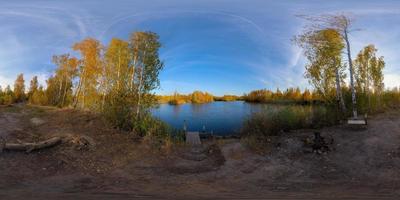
290 95
115 80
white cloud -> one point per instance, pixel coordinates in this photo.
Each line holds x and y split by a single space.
4 81
392 80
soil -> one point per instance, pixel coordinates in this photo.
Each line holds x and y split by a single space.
110 164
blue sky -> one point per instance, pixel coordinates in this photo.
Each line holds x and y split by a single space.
219 46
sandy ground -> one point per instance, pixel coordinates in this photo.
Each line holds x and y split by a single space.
363 164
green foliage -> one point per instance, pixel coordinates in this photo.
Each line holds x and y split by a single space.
118 110
369 71
323 50
118 80
158 131
7 96
6 99
272 123
59 85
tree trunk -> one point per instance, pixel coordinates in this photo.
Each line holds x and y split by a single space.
75 100
353 92
79 88
339 95
28 147
65 93
131 84
140 81
139 90
119 69
59 95
367 86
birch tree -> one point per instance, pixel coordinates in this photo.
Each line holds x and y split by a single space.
34 85
90 71
146 66
118 99
343 25
369 72
59 91
325 69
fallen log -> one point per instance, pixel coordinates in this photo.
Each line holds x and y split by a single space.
28 147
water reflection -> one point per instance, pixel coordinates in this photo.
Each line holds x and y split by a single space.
223 118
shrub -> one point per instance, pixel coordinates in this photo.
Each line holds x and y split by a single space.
157 132
38 98
263 125
7 99
177 101
201 97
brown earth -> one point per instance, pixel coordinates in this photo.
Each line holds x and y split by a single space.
362 164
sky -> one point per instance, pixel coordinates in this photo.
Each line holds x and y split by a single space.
219 46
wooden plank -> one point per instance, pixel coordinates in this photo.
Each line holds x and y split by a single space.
356 121
193 138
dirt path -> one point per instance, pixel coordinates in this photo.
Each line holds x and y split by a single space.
9 123
363 164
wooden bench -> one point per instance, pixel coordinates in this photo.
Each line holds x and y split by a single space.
360 121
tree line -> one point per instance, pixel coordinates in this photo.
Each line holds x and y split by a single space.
195 97
290 95
116 80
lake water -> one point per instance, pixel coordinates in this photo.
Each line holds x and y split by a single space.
222 118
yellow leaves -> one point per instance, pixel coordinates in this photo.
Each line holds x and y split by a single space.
323 49
195 97
201 97
90 50
368 70
90 72
267 96
19 88
117 64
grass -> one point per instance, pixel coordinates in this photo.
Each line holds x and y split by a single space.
262 127
10 108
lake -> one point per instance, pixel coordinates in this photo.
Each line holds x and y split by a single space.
221 118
